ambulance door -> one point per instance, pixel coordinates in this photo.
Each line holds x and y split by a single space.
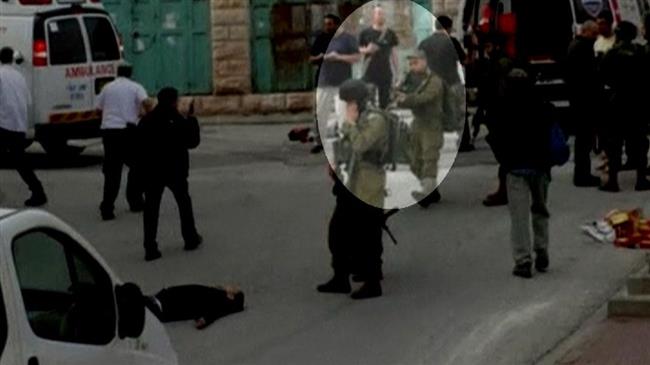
105 51
64 84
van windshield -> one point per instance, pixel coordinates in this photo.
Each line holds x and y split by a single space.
103 44
66 43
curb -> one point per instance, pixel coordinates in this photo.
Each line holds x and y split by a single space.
266 119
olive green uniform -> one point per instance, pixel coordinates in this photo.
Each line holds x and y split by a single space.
368 140
424 96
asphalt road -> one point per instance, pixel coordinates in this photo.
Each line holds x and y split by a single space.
263 205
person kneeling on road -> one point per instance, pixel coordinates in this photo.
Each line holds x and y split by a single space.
166 136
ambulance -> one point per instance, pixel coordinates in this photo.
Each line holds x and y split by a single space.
60 303
540 31
67 50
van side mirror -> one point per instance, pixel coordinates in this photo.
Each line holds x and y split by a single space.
130 310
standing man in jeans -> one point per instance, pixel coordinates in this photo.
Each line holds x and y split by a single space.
339 56
121 102
377 43
14 99
525 124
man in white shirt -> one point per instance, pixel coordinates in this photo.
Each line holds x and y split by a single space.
14 98
121 103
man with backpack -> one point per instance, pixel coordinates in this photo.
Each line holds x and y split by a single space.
422 92
355 232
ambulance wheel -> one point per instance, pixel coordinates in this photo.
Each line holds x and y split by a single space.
59 148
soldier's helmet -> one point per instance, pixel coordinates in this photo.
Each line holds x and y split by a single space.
354 90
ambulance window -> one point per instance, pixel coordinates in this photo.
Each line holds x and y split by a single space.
103 44
67 295
66 43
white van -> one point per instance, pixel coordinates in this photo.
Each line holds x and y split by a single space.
67 50
60 304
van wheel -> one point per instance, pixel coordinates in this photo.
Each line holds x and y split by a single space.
59 148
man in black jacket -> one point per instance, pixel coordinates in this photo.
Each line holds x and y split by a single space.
524 139
622 70
166 136
583 82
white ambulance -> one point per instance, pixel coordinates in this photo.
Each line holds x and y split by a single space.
60 304
67 50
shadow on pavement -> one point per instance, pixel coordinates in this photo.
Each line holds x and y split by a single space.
43 161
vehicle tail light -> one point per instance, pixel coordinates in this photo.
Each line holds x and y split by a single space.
39 58
35 2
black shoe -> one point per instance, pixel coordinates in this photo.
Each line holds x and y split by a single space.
589 181
316 149
432 198
495 200
36 200
642 185
194 244
523 270
610 188
370 289
107 215
152 255
336 285
541 260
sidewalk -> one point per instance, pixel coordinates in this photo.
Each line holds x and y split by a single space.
613 341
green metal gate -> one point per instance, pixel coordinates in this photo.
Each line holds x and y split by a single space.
167 41
282 31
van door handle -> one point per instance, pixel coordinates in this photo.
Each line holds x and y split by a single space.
32 361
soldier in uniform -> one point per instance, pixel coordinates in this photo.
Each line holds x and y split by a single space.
366 131
355 231
422 92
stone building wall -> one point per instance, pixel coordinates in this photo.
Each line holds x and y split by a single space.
232 68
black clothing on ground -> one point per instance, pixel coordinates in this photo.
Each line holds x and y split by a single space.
119 151
194 302
12 148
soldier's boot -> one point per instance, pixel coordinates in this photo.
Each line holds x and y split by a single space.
339 284
429 193
369 289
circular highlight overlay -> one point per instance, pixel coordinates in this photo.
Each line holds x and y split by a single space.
391 103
